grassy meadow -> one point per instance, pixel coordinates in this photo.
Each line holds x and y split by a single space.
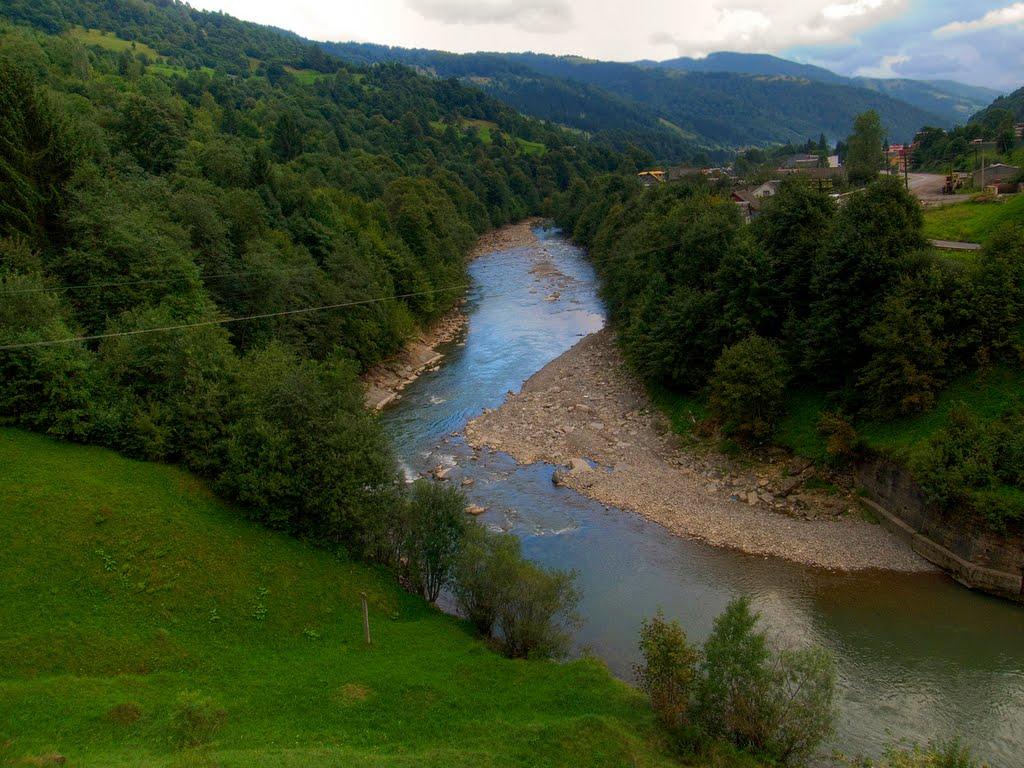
972 222
144 623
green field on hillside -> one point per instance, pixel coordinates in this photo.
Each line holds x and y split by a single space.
111 41
972 222
127 590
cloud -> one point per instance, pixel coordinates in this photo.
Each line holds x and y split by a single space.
887 66
530 15
1000 17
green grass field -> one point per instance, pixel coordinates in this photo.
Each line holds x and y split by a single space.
124 584
972 222
110 41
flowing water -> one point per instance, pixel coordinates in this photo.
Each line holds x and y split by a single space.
919 657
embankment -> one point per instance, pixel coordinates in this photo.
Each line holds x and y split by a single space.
972 554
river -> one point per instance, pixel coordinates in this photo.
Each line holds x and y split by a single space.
918 656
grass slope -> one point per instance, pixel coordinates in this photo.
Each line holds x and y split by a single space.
123 584
972 222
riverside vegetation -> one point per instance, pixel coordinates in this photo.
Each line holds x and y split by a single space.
817 325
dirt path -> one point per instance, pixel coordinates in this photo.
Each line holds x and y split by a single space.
586 411
388 378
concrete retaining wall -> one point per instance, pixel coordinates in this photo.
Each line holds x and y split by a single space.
972 554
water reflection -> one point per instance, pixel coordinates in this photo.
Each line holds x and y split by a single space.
918 656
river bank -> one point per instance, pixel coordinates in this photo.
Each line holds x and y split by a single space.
385 381
586 411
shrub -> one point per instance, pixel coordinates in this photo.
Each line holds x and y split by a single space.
940 754
435 525
485 568
841 441
667 672
747 387
196 719
537 612
775 703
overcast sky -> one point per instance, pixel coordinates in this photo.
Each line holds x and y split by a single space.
975 41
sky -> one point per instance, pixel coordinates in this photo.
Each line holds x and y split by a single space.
974 41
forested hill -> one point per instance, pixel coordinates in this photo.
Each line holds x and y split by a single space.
953 102
239 223
1013 103
712 109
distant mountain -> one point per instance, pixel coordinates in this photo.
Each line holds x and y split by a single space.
750 64
674 108
952 101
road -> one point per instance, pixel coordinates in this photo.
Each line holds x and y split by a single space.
927 187
953 245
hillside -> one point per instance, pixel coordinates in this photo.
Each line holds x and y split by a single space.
155 588
953 102
712 109
1014 103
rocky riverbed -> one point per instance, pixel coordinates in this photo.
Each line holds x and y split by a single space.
585 412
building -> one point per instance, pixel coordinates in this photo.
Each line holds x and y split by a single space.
995 174
678 172
651 178
749 199
1018 130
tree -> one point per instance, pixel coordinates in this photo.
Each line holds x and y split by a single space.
434 529
484 573
864 158
667 671
537 612
776 703
747 388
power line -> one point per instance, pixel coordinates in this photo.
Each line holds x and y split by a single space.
224 321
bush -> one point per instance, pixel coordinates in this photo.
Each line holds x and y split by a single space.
537 611
485 568
747 387
435 526
940 754
196 719
667 672
775 703
841 440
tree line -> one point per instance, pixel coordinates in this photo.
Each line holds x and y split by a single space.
844 299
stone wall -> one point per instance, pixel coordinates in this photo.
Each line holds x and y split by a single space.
972 554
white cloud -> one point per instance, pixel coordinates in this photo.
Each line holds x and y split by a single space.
533 15
1000 17
851 10
884 68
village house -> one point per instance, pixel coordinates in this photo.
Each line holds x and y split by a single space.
651 178
749 199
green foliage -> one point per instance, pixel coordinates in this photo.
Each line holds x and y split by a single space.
972 221
434 530
536 612
746 389
864 157
484 571
667 672
778 703
975 467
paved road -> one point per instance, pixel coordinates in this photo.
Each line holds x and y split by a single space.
953 245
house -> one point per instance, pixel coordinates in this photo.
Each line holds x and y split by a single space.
997 173
749 199
799 161
651 178
1018 131
682 172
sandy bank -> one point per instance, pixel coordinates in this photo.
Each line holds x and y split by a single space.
586 411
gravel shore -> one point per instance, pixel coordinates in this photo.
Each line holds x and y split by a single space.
586 412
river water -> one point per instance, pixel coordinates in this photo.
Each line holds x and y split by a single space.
919 657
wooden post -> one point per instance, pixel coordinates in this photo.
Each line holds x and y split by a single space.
366 617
